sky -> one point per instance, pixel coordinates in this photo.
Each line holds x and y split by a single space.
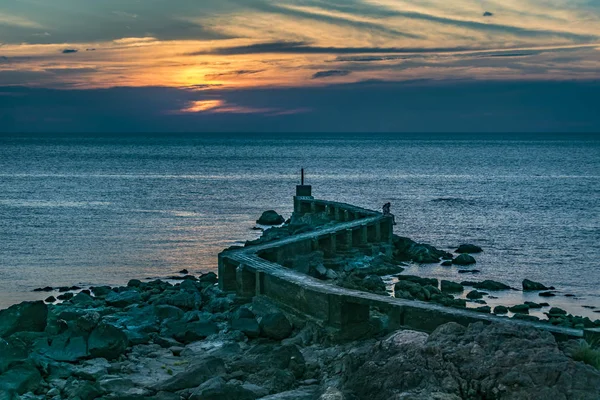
388 65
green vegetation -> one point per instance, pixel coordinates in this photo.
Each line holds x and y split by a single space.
589 354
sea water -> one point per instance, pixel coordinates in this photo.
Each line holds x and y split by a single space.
93 210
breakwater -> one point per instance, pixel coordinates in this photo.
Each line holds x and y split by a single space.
257 271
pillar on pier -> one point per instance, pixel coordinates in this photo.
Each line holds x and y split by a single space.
364 235
280 256
346 215
344 313
377 231
332 243
348 239
336 213
303 192
246 281
313 207
227 274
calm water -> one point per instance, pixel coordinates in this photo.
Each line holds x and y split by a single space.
103 210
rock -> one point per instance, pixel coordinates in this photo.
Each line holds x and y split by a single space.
101 291
468 248
82 390
526 317
20 379
66 296
557 311
23 317
488 14
474 294
275 326
44 289
446 263
270 218
406 249
248 326
531 304
134 283
50 299
533 286
491 285
303 393
217 389
500 310
497 361
123 299
410 290
210 277
418 280
547 294
520 309
468 271
320 271
451 287
184 271
165 311
82 299
193 331
464 259
107 341
195 375
484 309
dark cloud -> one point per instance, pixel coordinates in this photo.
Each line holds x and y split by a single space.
330 73
69 51
285 47
234 73
363 107
488 14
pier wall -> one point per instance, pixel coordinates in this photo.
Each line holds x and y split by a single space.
257 271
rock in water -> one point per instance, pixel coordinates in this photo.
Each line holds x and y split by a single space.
107 341
464 259
520 309
500 310
23 317
532 286
491 285
270 218
468 248
275 326
451 287
474 295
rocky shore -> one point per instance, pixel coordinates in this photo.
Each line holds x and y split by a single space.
156 340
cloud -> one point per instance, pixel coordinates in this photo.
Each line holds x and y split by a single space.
69 51
233 73
330 73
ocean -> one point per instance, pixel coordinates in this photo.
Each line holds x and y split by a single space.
94 210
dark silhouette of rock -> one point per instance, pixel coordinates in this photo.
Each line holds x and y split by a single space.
270 218
491 285
520 308
107 341
406 249
468 248
547 294
464 259
23 317
451 287
474 295
275 326
488 14
533 286
500 310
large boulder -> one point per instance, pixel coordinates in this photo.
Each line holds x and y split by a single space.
195 375
497 361
406 249
491 285
468 248
123 299
418 280
533 286
24 317
411 291
275 326
20 379
107 341
66 347
451 287
464 259
217 389
270 218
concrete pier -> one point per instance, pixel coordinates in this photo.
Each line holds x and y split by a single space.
258 271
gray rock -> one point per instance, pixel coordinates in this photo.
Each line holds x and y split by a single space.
464 259
468 248
248 326
520 308
533 286
500 310
82 298
82 390
303 393
193 331
66 347
165 311
23 317
107 341
491 285
123 299
419 280
217 389
275 326
451 287
474 295
101 291
195 375
410 291
270 218
20 379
